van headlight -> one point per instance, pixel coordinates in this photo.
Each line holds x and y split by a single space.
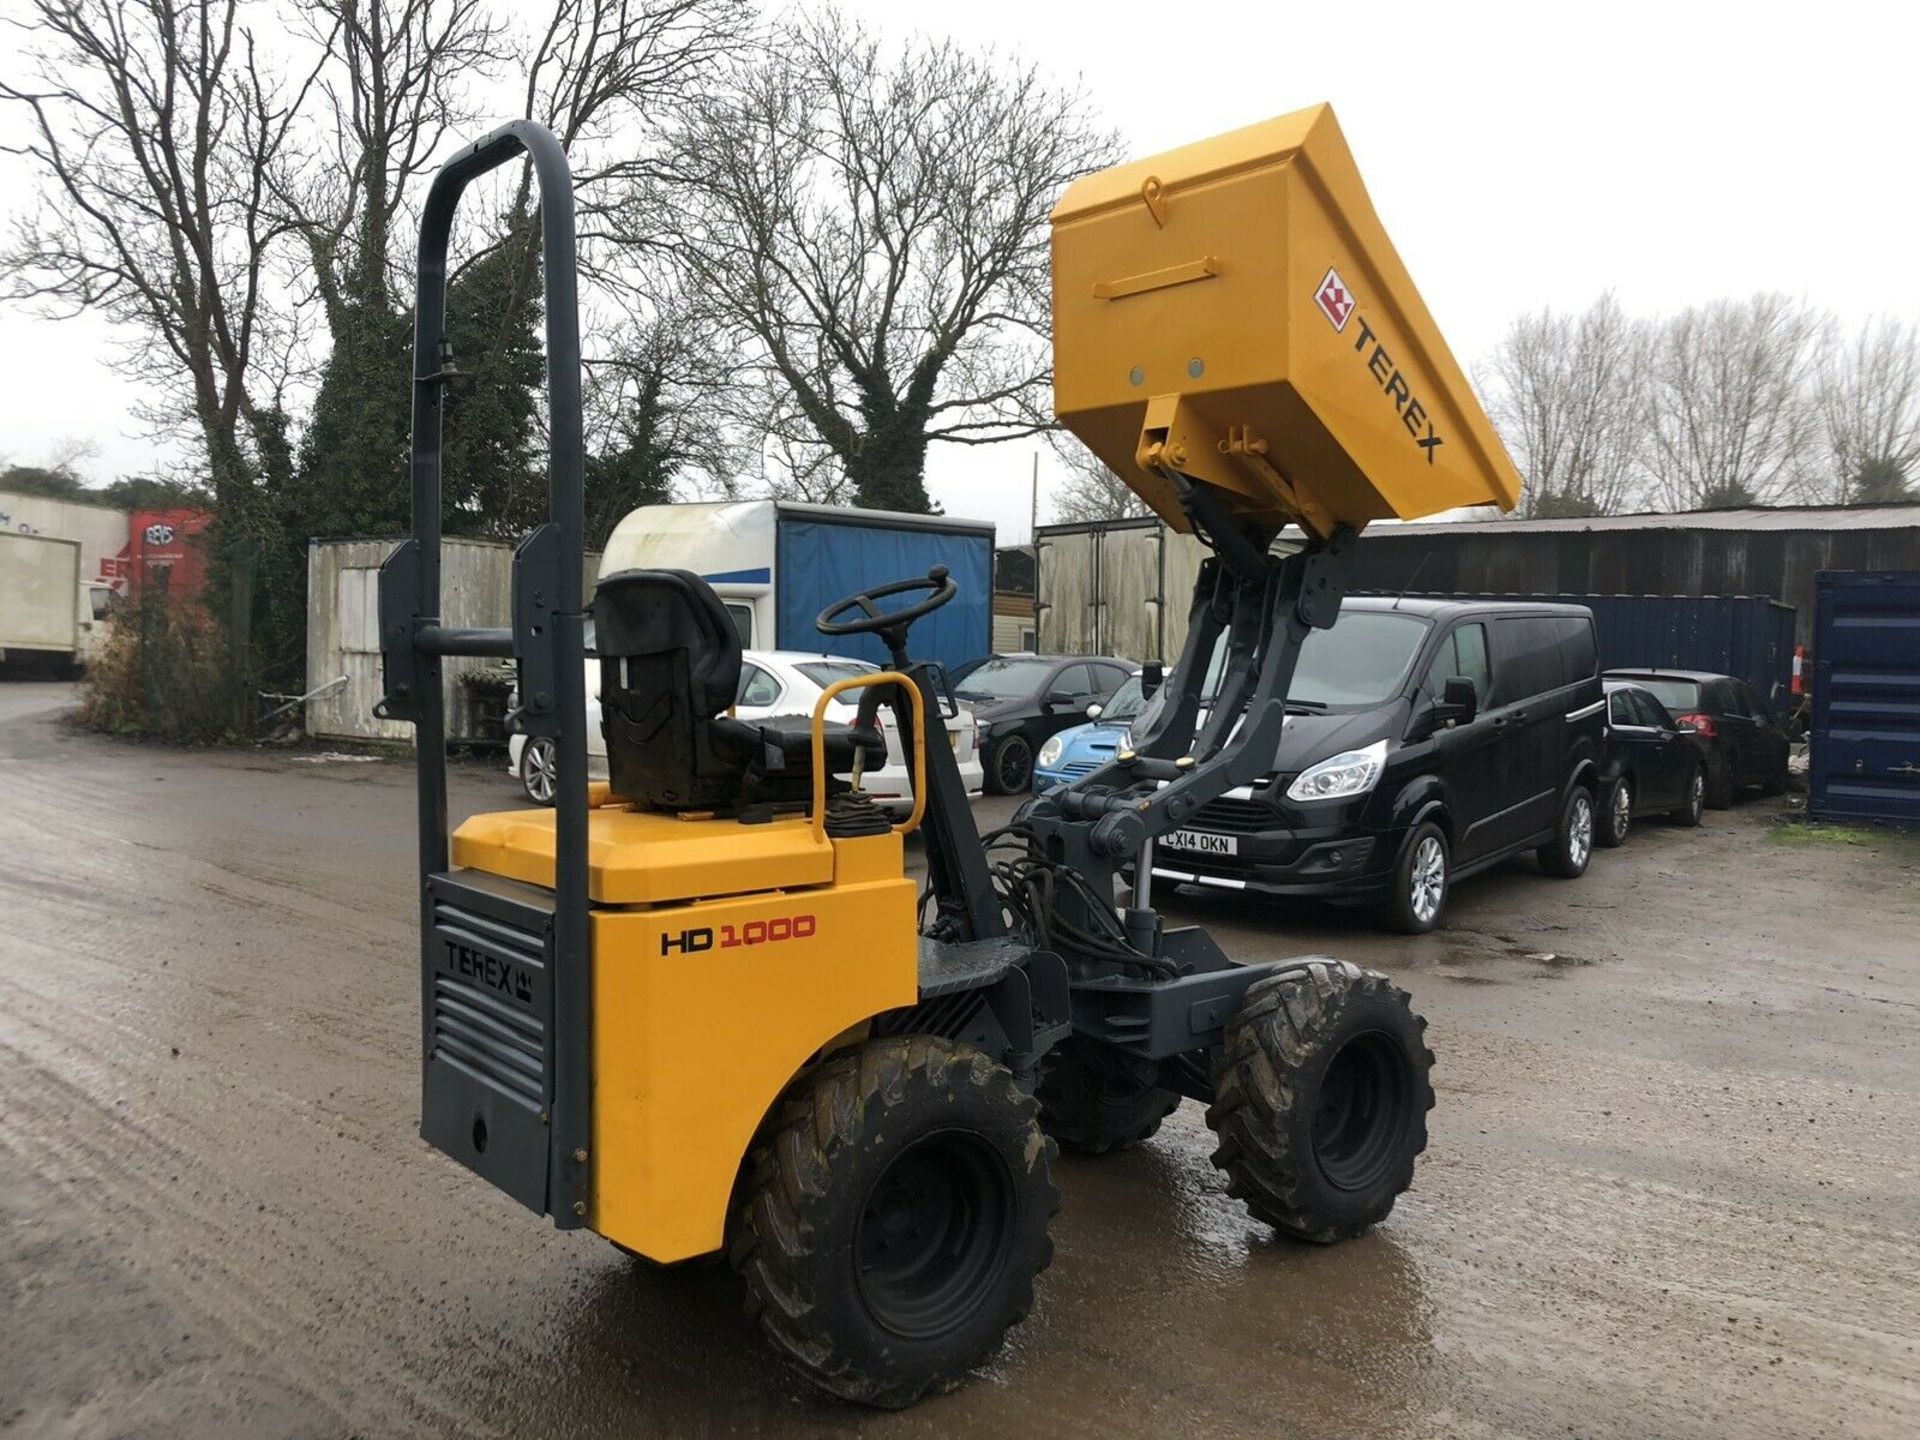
1353 772
1050 752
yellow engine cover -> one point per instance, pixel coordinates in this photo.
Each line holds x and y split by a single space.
725 958
1233 310
705 1012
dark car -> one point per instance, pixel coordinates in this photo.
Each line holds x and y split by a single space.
1651 765
1745 743
1020 700
1427 740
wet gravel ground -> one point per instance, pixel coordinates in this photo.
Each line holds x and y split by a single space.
1672 1188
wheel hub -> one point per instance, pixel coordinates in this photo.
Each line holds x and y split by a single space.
1365 1099
934 1234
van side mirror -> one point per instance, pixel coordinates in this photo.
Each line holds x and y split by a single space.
1152 675
1093 712
1459 701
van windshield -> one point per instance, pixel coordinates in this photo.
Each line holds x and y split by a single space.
1360 661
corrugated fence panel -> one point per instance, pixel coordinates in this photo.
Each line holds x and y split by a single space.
1864 761
343 631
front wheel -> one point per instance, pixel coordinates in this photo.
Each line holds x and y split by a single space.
539 763
1095 1099
1009 768
1567 854
1619 814
891 1230
1419 894
1321 1090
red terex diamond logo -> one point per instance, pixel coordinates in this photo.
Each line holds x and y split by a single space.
1334 298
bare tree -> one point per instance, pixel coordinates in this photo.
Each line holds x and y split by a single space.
1569 394
1091 491
1733 415
152 127
1869 400
872 225
394 86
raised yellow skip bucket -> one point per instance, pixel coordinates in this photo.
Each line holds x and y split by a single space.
1233 311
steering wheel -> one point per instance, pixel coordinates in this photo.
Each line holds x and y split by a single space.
939 590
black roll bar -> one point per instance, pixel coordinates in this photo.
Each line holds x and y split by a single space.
547 635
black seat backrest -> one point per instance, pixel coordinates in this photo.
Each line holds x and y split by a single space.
669 663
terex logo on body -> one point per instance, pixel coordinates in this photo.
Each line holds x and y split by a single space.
1334 299
490 971
1337 303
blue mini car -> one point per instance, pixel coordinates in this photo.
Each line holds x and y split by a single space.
1085 748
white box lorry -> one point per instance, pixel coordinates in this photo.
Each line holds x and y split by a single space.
48 614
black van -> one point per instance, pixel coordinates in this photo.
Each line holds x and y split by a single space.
1426 740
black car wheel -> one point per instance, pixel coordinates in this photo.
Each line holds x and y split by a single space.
1720 782
1618 818
1009 766
1690 813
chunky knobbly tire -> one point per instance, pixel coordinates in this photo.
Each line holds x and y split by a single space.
1095 1099
1321 1093
890 1232
1567 854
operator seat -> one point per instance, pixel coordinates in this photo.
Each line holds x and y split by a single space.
669 669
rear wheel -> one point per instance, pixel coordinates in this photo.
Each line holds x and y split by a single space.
890 1232
1567 854
1009 768
1694 807
1419 894
1619 814
1720 786
1321 1091
539 762
1095 1099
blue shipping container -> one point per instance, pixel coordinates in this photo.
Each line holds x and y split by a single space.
820 561
1747 636
1864 761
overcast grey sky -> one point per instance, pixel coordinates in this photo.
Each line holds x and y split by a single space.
1520 155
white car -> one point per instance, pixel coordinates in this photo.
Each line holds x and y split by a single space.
772 682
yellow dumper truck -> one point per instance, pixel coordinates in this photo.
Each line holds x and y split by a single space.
702 1007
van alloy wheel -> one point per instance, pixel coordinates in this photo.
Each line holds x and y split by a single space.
1580 840
1428 882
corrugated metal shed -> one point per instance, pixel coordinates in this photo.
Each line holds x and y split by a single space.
343 629
1749 636
1772 552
